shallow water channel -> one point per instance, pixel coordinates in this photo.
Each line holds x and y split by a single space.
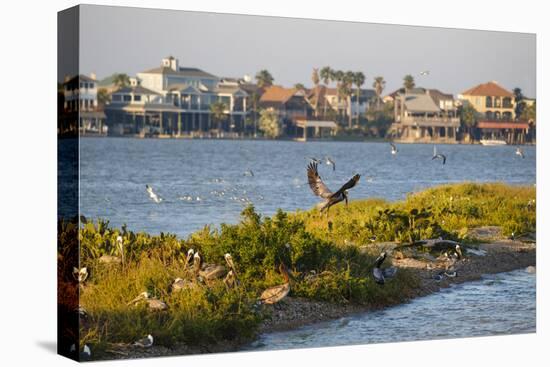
497 304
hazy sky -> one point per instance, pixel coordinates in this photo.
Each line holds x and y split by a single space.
117 39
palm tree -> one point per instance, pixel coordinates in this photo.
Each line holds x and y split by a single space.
345 91
378 85
358 80
121 80
264 78
102 96
520 103
408 82
468 118
315 77
326 74
338 77
254 101
217 109
299 86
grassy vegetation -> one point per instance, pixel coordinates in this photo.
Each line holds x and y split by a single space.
330 265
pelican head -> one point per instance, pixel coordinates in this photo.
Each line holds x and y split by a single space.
80 274
380 259
229 260
141 296
458 251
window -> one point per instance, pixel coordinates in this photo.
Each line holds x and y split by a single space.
127 98
507 102
137 97
497 102
116 98
488 102
91 85
489 115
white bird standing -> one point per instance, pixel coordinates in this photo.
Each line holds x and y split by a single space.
152 194
146 342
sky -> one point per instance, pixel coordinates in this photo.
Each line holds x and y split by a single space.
130 40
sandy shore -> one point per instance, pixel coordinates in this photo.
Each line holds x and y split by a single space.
293 312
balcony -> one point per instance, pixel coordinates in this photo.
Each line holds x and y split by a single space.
429 121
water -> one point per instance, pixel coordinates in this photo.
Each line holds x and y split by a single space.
204 181
496 305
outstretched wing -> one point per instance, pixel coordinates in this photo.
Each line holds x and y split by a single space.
348 185
444 158
317 185
393 146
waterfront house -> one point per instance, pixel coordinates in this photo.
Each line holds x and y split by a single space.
366 101
424 115
176 101
80 104
496 108
290 105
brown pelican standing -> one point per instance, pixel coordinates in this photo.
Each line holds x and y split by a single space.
380 275
230 279
320 189
189 257
439 156
152 303
180 284
146 342
519 152
275 294
206 272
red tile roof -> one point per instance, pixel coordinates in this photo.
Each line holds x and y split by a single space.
488 89
276 93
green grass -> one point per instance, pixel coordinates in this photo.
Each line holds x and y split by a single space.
302 241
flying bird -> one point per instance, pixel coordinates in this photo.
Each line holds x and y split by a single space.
152 194
439 156
146 342
380 275
393 149
425 72
248 172
314 160
320 189
519 152
274 294
329 161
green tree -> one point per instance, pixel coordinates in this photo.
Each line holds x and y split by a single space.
264 78
299 86
345 92
520 103
358 80
254 101
121 80
529 113
269 124
378 85
408 82
468 118
103 96
217 109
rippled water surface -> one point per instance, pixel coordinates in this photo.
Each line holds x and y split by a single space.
496 305
206 181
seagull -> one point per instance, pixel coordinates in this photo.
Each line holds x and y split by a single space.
85 354
439 155
248 172
329 161
153 303
425 72
146 342
519 152
120 247
81 274
152 195
380 275
274 294
393 149
320 189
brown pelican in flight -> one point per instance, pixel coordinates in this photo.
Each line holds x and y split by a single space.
393 149
320 189
275 294
439 156
519 152
380 275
